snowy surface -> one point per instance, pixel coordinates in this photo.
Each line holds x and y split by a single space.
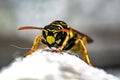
44 65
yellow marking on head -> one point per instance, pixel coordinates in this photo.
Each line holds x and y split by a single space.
58 41
71 34
58 25
46 33
55 35
68 26
50 39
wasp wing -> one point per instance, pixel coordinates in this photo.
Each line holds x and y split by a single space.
89 40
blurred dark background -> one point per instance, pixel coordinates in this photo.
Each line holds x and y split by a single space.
99 19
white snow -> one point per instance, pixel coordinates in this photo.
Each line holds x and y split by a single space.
46 65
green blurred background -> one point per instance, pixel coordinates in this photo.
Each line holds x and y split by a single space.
100 19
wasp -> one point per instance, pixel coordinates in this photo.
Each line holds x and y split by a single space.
63 37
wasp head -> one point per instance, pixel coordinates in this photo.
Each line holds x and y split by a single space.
54 33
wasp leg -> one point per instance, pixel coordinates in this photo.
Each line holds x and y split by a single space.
84 51
35 45
63 44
